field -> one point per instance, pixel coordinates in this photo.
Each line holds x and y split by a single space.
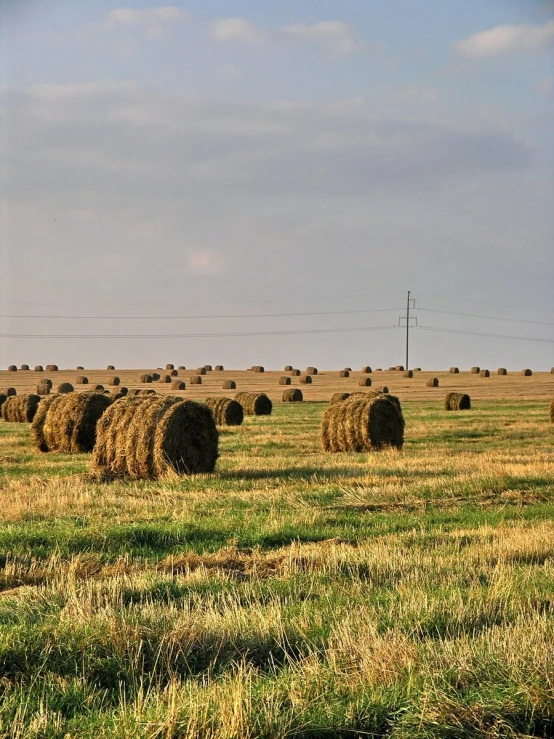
292 593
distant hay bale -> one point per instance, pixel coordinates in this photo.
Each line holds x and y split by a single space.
339 397
39 368
151 438
365 382
292 395
257 368
123 390
408 373
432 382
196 380
399 368
20 408
8 391
80 368
81 380
65 387
3 399
526 373
169 366
200 371
12 368
417 369
218 368
174 373
484 373
348 369
51 367
378 369
165 379
110 367
552 370
285 381
502 371
457 402
99 387
391 369
133 392
344 373
118 396
366 370
295 373
106 392
182 367
226 412
255 404
475 370
306 380
208 367
178 385
382 389
24 367
114 381
454 370
229 385
311 370
362 423
146 378
288 367
148 391
155 376
44 387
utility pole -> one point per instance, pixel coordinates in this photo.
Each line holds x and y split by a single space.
410 303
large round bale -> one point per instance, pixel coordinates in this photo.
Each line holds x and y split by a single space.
226 412
12 368
169 366
39 368
10 409
74 422
311 370
257 368
8 391
457 402
475 370
44 387
145 378
40 430
295 373
502 371
178 385
399 368
365 382
348 369
363 423
165 379
26 407
65 387
432 382
155 376
151 438
552 411
208 368
148 391
110 367
255 404
285 381
229 385
117 396
526 373
344 373
200 371
288 367
417 369
454 370
306 380
484 373
24 367
366 370
292 395
339 397
195 380
81 380
391 369
408 374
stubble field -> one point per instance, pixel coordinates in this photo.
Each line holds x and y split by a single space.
292 593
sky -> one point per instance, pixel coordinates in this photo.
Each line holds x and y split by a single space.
257 182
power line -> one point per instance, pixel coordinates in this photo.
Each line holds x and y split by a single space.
475 333
492 318
486 302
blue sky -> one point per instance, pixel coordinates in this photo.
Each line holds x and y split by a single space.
324 157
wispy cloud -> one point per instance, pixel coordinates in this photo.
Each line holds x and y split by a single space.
153 21
335 36
507 40
237 29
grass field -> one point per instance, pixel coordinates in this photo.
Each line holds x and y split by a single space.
292 593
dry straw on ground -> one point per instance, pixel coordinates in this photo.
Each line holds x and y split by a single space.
81 380
178 385
255 404
365 422
20 408
306 380
526 373
344 373
502 371
484 373
229 385
408 374
454 370
145 378
311 370
292 395
195 380
475 370
457 402
44 387
151 438
68 423
432 382
226 411
365 382
65 387
285 381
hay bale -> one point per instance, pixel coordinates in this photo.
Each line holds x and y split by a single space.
408 374
526 373
3 399
378 369
454 370
295 373
51 367
457 402
399 368
148 391
502 371
432 382
365 382
552 411
110 367
174 373
339 397
169 366
311 370
24 367
10 408
44 387
226 412
79 368
229 385
218 368
382 389
348 369
257 368
344 373
200 371
196 380
255 404
155 376
38 432
8 391
391 369
306 380
166 379
106 392
292 395
285 381
12 368
39 368
114 381
22 408
475 370
71 424
552 370
365 422
146 378
288 367
81 380
178 385
208 367
366 370
484 373
118 396
182 367
417 369
65 387
153 438
123 390
99 387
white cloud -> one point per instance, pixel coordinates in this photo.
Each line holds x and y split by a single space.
154 21
237 29
507 40
335 36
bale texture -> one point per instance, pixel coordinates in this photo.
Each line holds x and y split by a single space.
39 368
65 387
288 367
39 432
457 402
255 404
81 380
408 374
257 368
12 368
117 396
196 380
295 373
229 385
344 373
151 438
44 387
484 373
454 370
51 367
208 368
70 424
155 376
311 370
8 391
339 397
366 370
292 395
226 412
165 379
365 382
306 380
432 382
365 422
169 366
145 378
24 367
200 371
475 370
174 373
178 385
285 381
20 408
182 367
110 367
526 373
502 371
399 368
218 368
382 389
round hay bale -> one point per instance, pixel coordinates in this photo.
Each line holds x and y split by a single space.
475 370
74 422
432 382
99 387
484 373
24 367
365 382
366 370
408 374
339 397
182 367
552 370
378 369
306 380
174 373
3 399
344 373
146 378
295 373
454 370
80 368
285 381
110 452
399 368
44 387
39 421
229 385
110 367
8 391
20 408
148 391
365 422
117 396
255 404
114 381
526 373
292 395
133 392
51 367
382 389
178 385
106 392
65 387
311 370
226 412
258 368
10 408
288 368
218 368
208 367
166 379
12 368
457 402
81 380
200 371
502 371
155 376
391 369
417 369
169 366
39 368
123 390
196 380
348 369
